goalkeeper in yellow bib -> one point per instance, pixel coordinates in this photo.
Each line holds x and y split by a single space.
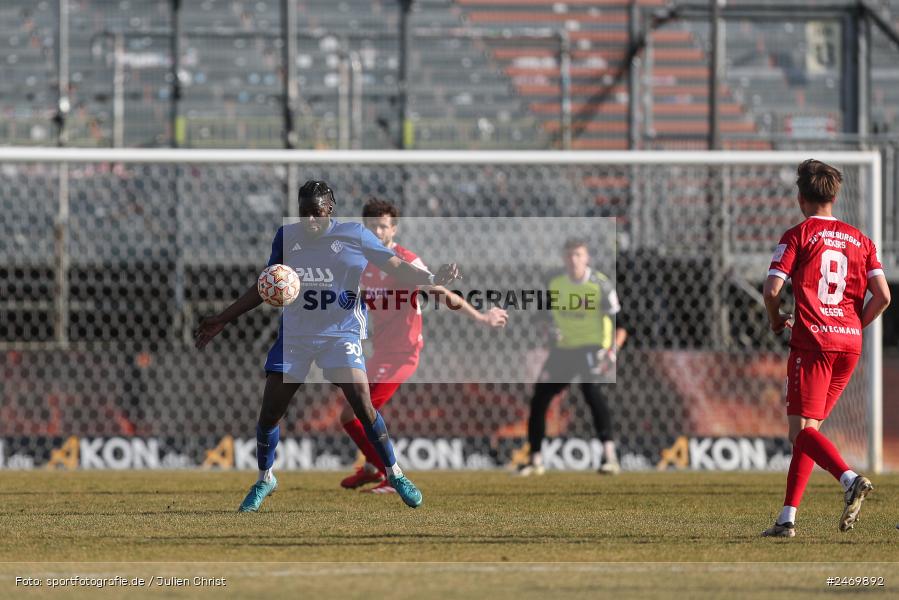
585 347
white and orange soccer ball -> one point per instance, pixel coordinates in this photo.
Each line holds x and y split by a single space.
278 285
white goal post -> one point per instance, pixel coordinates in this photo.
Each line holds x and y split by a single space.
633 168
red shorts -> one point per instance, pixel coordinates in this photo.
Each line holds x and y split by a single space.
815 380
386 373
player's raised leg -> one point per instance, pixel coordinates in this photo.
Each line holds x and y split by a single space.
354 384
373 470
381 393
824 391
855 487
815 381
275 401
810 446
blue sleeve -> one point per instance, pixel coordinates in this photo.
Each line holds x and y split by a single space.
373 249
277 255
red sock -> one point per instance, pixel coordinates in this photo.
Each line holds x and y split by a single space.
801 466
812 442
355 430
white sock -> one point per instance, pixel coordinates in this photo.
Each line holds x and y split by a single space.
787 515
265 475
847 478
536 459
609 451
395 470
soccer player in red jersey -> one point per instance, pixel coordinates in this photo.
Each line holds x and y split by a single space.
396 338
832 266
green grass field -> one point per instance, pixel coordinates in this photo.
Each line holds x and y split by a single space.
477 533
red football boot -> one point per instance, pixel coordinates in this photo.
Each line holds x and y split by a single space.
361 477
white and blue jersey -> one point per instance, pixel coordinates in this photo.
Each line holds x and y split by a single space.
327 322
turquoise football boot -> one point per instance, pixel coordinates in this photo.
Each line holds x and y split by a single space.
259 492
406 489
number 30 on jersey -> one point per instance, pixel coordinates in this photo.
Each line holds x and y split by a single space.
353 349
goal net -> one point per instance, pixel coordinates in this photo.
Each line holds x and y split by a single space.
110 257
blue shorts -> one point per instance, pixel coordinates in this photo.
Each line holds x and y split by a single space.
294 357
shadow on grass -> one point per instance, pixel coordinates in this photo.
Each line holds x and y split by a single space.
349 540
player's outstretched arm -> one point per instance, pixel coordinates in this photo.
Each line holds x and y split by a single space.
494 317
210 327
409 274
880 299
771 294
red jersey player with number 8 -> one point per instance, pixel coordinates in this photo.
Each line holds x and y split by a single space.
832 266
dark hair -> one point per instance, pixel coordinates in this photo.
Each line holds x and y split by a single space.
575 242
316 190
375 207
817 181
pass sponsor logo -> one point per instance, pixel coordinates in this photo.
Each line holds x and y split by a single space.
315 274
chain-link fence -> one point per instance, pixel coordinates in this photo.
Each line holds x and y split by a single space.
107 270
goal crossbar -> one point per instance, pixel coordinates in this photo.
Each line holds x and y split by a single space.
455 157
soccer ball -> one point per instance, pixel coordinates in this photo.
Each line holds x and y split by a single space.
278 285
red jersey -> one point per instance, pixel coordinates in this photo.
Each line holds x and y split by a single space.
830 263
396 321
